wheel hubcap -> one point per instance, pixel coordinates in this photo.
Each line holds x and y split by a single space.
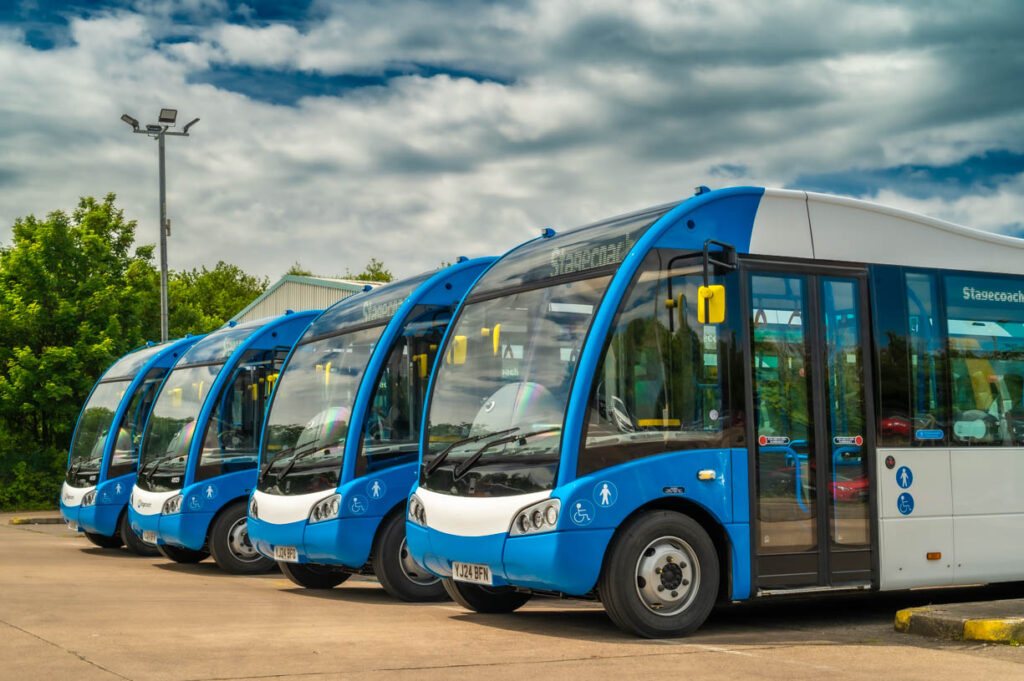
667 576
413 572
239 544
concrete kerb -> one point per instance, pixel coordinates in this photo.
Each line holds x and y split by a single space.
986 622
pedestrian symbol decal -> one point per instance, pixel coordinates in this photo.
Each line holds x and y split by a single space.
904 477
605 494
376 489
582 512
210 492
905 504
358 504
117 488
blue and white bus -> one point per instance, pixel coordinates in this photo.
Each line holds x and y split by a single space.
850 417
199 451
105 448
340 447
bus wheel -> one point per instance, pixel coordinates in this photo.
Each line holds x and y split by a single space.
661 575
179 554
103 541
132 541
485 599
397 571
230 545
313 575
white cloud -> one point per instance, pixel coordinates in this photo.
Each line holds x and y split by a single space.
608 107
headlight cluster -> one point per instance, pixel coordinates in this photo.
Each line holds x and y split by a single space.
417 514
541 517
326 509
173 505
90 498
254 509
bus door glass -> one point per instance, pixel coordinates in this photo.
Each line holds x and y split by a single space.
810 431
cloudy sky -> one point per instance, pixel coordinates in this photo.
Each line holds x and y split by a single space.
419 131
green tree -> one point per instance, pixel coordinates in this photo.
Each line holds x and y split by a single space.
201 300
71 293
374 271
298 270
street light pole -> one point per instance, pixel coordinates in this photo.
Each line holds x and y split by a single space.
159 131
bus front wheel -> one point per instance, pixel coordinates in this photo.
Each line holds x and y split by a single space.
661 576
180 554
132 541
396 570
485 599
230 545
312 575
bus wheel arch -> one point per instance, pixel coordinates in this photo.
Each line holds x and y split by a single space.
393 565
225 543
662 573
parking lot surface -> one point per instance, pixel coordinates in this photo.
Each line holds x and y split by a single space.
69 610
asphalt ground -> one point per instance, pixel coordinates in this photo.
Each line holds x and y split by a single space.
69 610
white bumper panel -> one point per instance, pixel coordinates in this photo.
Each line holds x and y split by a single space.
473 516
281 510
150 503
72 496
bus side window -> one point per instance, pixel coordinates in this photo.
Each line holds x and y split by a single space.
926 354
986 356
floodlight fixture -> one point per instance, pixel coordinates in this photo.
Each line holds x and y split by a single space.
190 124
168 116
130 121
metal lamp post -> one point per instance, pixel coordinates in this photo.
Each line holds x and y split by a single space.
159 130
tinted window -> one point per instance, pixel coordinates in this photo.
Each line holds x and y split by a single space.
378 305
927 360
130 364
129 436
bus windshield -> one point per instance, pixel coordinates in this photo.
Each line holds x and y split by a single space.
171 427
308 421
129 434
97 417
499 399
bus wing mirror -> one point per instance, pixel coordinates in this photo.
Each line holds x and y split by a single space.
457 352
711 308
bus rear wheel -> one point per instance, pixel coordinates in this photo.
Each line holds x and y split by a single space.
313 575
485 599
103 541
180 554
661 576
132 541
398 573
230 545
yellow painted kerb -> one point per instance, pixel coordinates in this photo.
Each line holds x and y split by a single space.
998 631
904 616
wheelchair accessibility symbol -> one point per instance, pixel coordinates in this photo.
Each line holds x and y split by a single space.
582 512
357 504
905 503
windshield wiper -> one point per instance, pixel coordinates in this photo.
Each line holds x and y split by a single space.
77 466
464 467
302 453
157 463
432 465
274 459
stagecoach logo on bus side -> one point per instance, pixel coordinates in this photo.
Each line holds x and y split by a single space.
387 308
585 257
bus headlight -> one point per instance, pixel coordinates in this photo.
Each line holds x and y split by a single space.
173 505
325 509
540 517
417 514
254 509
90 498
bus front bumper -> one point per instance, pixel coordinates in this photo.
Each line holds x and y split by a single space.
342 541
185 529
100 518
566 562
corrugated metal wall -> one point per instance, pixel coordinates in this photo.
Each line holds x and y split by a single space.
298 296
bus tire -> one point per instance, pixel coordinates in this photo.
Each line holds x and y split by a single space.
180 554
661 575
313 575
485 599
103 541
397 572
230 545
132 541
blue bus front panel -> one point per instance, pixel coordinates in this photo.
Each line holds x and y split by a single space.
202 501
111 500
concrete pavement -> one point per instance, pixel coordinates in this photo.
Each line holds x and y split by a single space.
69 610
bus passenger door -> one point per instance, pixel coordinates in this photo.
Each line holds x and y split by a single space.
812 431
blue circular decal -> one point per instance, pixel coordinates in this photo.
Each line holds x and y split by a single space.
194 503
605 494
358 504
208 491
376 489
582 512
904 477
905 504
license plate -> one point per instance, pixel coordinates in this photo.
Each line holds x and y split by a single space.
288 554
73 526
471 572
149 536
